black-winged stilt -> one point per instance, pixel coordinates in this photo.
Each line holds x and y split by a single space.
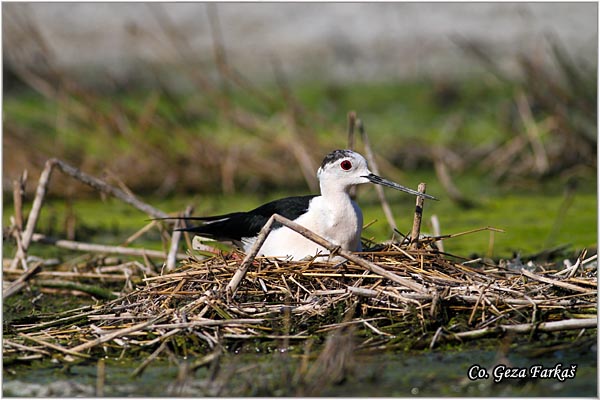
332 215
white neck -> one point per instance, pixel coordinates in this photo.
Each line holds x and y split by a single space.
333 189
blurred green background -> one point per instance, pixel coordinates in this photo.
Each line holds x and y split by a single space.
227 106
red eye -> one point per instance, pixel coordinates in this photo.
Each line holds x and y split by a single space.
346 165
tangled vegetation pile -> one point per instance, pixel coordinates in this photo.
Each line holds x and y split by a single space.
430 298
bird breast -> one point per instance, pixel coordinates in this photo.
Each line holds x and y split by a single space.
338 220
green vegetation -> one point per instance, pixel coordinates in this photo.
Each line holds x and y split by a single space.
532 221
166 146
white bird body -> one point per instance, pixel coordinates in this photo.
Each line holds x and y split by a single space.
339 221
332 215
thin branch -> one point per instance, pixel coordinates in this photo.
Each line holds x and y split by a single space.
100 248
103 187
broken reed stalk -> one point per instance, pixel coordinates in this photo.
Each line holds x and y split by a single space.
453 235
100 248
18 191
333 248
74 275
416 228
148 360
387 210
563 285
139 233
34 214
551 326
21 281
575 267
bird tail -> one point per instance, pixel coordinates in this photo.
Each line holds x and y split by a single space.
212 226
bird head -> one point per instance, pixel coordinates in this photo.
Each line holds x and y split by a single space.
342 169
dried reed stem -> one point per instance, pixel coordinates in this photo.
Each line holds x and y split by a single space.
554 282
116 334
34 214
100 248
148 360
71 352
139 233
379 189
551 326
100 377
351 128
95 291
21 281
18 190
416 228
103 187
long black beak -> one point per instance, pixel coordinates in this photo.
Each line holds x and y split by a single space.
384 182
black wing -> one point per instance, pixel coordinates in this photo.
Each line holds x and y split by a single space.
236 226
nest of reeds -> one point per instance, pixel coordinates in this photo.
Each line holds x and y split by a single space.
426 298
